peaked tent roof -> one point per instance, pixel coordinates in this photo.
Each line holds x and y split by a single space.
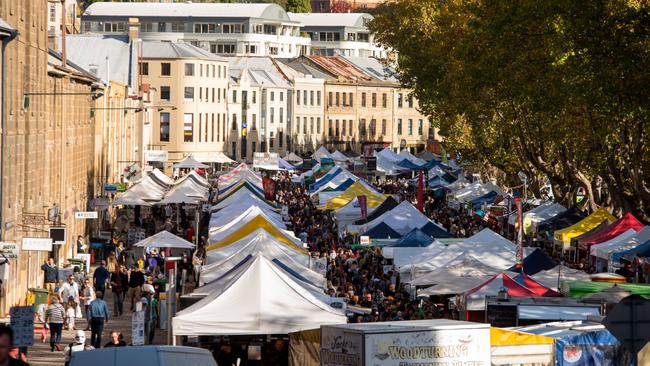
468 266
435 231
388 204
549 278
624 242
190 163
293 158
382 231
628 221
245 195
322 153
325 178
532 219
563 219
403 218
412 158
536 287
339 156
164 239
414 238
535 262
258 222
588 223
357 189
262 300
283 164
476 296
427 155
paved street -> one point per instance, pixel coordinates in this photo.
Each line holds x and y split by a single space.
40 355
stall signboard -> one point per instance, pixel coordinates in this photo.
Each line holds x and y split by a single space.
37 244
9 250
449 347
121 187
22 323
364 240
340 348
156 155
83 215
137 328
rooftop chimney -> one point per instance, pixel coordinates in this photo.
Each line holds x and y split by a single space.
134 29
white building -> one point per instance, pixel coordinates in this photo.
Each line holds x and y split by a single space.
55 20
344 34
228 29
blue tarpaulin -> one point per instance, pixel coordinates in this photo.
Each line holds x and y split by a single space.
535 262
382 231
437 182
407 164
486 198
435 231
641 251
283 164
325 179
562 220
414 238
388 204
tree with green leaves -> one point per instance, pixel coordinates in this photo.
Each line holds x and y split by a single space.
299 6
556 89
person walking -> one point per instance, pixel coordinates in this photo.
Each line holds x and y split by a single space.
54 317
87 296
51 272
117 340
136 280
98 315
119 282
69 291
100 276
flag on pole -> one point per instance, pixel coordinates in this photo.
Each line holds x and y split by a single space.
269 188
363 205
421 191
520 236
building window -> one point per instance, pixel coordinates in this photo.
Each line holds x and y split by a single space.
384 100
146 27
165 69
270 29
205 28
231 28
200 94
330 128
337 99
52 13
410 101
212 129
317 125
345 99
329 36
420 127
363 99
233 123
336 129
374 100
273 50
281 115
165 93
311 125
271 140
272 115
200 126
234 96
383 127
112 27
213 95
350 127
254 97
297 125
189 93
373 127
318 97
219 126
164 126
254 118
281 98
298 97
188 127
400 100
178 27
258 28
399 126
362 127
343 128
272 96
251 49
311 97
410 127
351 100
329 99
189 69
162 26
144 68
280 139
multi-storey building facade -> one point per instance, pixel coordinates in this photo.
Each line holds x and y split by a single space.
55 20
344 34
47 139
224 29
342 6
188 91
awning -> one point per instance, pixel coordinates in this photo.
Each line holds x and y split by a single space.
164 239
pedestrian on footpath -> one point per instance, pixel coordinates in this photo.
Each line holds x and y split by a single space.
98 315
86 297
6 343
117 340
100 276
119 281
51 272
79 344
54 317
136 280
69 291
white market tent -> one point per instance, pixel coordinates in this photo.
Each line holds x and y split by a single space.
468 266
627 240
218 233
243 197
224 216
157 174
457 286
412 158
293 158
476 190
436 171
189 163
513 218
549 212
549 278
130 200
219 158
388 162
181 196
322 153
164 239
339 156
262 300
336 181
403 218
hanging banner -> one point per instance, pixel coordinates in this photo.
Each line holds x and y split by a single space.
269 188
520 235
363 205
420 191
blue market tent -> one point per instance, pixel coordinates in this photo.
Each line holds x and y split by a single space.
382 231
251 187
388 204
449 177
435 231
486 198
641 251
535 262
341 187
407 164
561 221
325 179
413 239
437 182
283 164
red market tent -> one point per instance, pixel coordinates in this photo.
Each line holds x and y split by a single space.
536 287
625 223
475 298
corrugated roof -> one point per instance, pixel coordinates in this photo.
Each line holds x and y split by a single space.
331 19
186 10
172 50
92 50
258 76
373 67
303 67
340 67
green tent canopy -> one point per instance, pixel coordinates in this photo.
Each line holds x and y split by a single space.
580 289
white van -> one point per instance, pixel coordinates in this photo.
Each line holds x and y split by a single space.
144 355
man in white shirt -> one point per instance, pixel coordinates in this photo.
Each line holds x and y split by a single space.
69 291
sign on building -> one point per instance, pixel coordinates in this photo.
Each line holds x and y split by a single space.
34 219
37 244
9 250
22 323
82 215
156 155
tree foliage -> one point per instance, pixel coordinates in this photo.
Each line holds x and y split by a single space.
299 6
558 89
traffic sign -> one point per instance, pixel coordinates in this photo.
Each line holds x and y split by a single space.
9 250
82 215
629 322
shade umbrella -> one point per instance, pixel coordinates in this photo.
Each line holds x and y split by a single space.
164 239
